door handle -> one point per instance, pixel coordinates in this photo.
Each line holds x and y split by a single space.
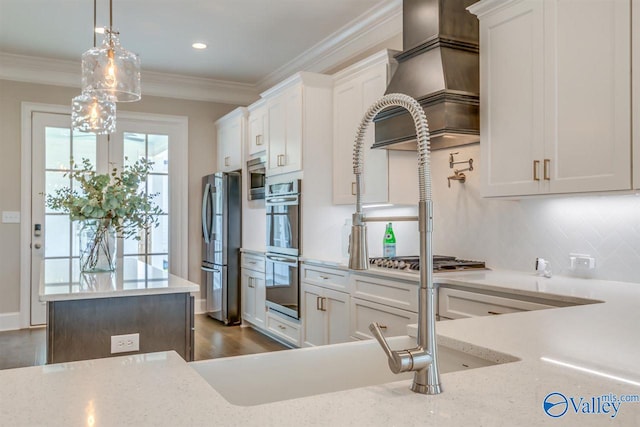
536 168
547 167
210 270
37 245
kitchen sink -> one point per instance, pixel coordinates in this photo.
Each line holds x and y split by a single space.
271 377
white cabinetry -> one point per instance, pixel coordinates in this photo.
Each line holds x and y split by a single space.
257 139
355 89
286 330
292 119
555 104
230 132
253 290
391 303
325 306
326 316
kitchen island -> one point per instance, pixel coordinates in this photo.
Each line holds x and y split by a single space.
84 314
582 352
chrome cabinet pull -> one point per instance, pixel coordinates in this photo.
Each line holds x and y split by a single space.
318 304
324 277
547 167
226 161
259 140
281 161
353 188
323 304
536 168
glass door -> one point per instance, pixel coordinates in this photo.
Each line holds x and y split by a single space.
54 243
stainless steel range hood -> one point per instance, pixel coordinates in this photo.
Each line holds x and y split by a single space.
440 68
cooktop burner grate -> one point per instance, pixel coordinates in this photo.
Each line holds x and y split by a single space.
441 263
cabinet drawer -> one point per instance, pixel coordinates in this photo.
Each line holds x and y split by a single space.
395 293
394 320
284 329
326 277
252 262
458 304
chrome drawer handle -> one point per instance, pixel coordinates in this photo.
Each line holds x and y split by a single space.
282 327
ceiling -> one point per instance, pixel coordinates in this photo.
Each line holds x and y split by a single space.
248 39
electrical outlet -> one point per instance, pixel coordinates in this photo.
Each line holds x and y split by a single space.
581 262
125 343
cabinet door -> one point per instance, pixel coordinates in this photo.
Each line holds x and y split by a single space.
276 119
257 127
285 131
351 99
229 145
260 304
588 95
392 321
314 320
248 297
337 309
511 70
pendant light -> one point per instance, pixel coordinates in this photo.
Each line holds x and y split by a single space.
110 69
93 113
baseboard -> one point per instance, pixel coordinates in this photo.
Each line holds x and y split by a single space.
9 321
200 306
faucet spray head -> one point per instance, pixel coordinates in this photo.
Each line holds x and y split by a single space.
358 254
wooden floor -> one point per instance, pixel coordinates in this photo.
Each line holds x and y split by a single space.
27 347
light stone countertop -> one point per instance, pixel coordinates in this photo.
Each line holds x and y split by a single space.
582 351
132 278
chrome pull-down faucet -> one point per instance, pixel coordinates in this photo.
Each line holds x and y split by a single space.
423 358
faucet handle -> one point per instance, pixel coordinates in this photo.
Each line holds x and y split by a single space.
399 361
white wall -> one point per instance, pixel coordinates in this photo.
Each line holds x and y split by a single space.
202 161
506 234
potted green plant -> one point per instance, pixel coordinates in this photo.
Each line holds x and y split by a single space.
107 205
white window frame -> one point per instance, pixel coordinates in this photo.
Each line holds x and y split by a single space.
177 127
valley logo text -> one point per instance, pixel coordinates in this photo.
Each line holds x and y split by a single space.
557 404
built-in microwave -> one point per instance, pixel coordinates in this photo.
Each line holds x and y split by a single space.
256 178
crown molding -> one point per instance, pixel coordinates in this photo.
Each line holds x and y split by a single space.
58 72
379 24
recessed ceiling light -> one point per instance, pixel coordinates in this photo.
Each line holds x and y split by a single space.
199 45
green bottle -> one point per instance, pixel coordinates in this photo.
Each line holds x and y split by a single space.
389 243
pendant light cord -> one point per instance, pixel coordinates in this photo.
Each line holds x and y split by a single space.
94 23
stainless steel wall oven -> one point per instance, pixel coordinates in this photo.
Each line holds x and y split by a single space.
282 203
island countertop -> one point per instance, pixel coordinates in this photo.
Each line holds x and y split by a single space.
586 352
131 278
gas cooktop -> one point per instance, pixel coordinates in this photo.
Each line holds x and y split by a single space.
441 263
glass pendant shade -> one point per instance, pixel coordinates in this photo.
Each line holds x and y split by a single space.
111 70
95 114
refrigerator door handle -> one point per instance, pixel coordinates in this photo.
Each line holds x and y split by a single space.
210 270
212 192
205 200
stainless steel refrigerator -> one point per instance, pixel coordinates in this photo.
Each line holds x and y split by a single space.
221 232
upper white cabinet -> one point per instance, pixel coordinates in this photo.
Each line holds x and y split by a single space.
355 89
555 96
257 139
293 114
230 132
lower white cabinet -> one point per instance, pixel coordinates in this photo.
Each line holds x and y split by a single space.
393 321
253 291
284 329
326 315
460 304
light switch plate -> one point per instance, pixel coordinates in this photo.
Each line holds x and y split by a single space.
10 217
